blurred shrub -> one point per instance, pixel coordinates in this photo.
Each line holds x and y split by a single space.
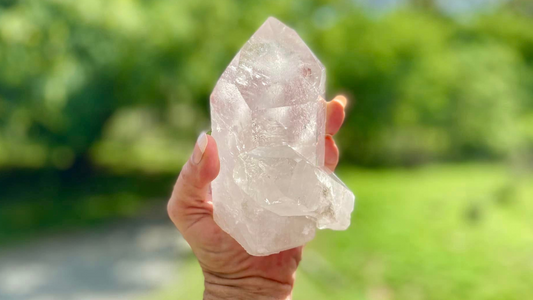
125 84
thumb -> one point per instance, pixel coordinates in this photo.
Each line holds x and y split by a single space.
189 197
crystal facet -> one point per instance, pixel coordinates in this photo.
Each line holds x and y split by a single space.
268 117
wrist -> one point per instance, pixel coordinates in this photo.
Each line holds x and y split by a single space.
245 288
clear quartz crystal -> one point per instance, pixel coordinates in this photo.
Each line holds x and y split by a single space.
268 117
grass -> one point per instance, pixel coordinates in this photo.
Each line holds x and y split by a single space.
438 232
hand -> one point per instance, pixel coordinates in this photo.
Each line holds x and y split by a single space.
229 271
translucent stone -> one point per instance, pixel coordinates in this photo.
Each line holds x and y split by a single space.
268 117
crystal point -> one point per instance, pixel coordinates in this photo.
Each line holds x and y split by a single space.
268 117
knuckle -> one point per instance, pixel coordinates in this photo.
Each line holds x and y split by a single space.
171 209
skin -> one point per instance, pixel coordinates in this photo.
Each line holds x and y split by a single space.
229 271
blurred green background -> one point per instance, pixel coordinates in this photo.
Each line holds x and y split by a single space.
102 100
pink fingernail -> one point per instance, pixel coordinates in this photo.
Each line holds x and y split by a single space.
199 148
342 100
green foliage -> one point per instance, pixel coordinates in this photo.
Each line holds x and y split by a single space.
33 203
125 84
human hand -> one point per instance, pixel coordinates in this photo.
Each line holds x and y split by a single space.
229 271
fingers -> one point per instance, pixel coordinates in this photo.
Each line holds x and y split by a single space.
190 191
334 119
335 114
331 158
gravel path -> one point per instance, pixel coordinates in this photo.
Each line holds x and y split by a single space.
122 260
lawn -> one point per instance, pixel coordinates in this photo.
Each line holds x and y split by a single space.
437 232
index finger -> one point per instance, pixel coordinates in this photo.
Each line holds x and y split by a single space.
335 114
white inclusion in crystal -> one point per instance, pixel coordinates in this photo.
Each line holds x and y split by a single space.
268 117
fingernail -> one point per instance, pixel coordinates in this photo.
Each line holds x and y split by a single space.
342 100
199 148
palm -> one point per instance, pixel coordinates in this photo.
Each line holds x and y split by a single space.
220 254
